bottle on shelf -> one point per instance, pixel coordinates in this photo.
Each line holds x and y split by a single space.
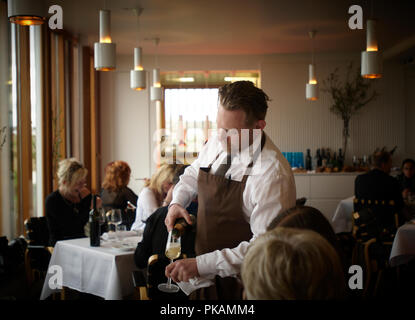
323 157
319 159
181 226
94 224
308 165
340 159
329 162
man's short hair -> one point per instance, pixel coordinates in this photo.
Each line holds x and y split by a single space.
243 95
292 264
381 157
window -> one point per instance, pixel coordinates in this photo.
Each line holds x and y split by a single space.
190 108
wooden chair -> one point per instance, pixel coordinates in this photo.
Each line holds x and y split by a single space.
38 252
373 241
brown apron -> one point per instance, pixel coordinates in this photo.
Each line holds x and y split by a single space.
221 224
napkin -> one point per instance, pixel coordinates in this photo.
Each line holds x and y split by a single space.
119 234
194 284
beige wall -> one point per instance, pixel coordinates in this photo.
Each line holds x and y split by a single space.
293 123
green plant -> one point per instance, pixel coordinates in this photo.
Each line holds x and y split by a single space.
348 97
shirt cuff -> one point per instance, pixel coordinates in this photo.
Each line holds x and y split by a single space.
206 266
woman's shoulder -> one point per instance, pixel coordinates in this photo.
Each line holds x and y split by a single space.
53 196
146 191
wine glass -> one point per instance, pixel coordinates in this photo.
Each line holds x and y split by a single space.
173 250
115 218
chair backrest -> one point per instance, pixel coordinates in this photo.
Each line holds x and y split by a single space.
37 231
156 267
374 219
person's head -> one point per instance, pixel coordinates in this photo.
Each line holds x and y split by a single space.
117 175
241 106
179 171
292 264
71 176
304 217
408 168
383 161
162 179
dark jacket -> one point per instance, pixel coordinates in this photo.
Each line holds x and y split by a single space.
118 200
406 183
155 238
65 219
377 185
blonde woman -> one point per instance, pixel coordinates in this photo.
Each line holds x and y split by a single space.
153 195
68 207
292 264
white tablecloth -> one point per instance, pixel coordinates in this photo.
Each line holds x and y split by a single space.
403 248
101 271
342 219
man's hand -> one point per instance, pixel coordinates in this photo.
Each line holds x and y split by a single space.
182 270
176 211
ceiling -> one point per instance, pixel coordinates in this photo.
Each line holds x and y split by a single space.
209 27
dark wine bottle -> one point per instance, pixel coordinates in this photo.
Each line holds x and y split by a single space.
181 226
340 159
323 157
94 226
308 161
319 159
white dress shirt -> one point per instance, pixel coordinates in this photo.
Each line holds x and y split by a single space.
146 205
270 189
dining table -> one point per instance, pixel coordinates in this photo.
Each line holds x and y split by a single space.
403 247
104 271
342 218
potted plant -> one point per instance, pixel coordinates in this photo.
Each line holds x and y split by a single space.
348 97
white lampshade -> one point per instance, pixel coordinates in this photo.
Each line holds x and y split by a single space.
104 50
371 66
156 91
26 12
138 75
311 90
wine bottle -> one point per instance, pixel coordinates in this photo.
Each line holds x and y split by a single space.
318 157
181 225
308 161
94 226
340 159
323 157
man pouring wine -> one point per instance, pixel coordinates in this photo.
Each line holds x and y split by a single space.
242 182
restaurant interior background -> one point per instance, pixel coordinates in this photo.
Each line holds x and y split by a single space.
47 78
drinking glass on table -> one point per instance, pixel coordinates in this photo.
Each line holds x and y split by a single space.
173 250
119 229
115 218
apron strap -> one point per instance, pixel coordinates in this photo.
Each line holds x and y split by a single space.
254 158
216 158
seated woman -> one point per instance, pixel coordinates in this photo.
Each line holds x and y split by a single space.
407 178
292 264
67 209
155 232
153 195
115 194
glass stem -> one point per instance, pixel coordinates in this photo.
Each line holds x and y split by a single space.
169 281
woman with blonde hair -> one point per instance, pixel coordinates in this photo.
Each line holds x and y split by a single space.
154 194
67 208
292 264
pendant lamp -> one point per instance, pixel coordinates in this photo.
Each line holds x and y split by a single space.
371 59
26 12
156 93
138 74
104 50
311 89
